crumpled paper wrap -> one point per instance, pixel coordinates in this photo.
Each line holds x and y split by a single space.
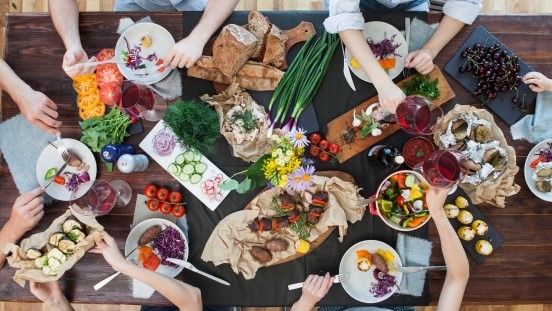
231 239
491 190
26 268
248 150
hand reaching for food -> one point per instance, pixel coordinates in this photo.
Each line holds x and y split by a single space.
435 199
109 249
390 96
184 53
538 82
27 211
421 60
315 288
39 110
75 55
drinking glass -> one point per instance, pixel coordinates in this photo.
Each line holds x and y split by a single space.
415 116
102 197
140 101
444 168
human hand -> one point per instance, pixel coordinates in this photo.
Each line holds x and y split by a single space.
184 53
315 288
39 110
421 60
390 96
46 292
538 82
435 199
76 55
27 211
109 249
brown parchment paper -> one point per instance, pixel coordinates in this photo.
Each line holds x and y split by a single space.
491 190
231 239
251 150
26 268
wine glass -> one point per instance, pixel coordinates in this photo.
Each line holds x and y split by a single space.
415 115
140 101
102 197
444 168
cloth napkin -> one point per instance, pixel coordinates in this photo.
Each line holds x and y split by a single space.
171 86
536 128
21 144
141 213
414 252
420 32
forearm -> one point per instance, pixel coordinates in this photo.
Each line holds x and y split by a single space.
59 304
65 16
8 234
448 28
302 305
215 13
11 83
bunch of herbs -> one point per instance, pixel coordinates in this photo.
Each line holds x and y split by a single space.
422 85
108 129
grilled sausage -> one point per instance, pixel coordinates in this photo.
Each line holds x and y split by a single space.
149 235
380 263
277 245
260 254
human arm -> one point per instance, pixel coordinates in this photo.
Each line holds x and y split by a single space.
26 212
188 50
538 82
184 296
314 289
36 107
65 16
458 268
50 293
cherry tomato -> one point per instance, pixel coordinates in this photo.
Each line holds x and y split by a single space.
323 144
165 208
162 194
175 197
400 201
314 151
315 138
333 148
60 180
179 210
324 157
150 191
153 205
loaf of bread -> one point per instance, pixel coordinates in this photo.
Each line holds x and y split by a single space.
259 26
232 49
252 75
275 47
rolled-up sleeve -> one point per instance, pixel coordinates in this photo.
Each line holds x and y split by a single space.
465 11
344 15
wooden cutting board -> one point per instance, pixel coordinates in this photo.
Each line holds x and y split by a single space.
334 130
318 241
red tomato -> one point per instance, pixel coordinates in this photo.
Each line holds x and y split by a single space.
165 208
315 138
323 144
314 151
179 210
175 197
333 148
108 73
162 194
150 191
324 157
400 200
105 54
153 205
111 93
151 262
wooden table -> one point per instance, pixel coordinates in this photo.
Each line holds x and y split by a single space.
518 272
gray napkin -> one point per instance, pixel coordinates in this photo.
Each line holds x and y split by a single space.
22 143
414 252
171 86
536 128
420 32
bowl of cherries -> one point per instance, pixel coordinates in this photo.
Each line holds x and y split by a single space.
322 149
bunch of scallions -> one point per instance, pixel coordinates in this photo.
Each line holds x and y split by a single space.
301 81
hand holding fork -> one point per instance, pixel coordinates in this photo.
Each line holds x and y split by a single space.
336 279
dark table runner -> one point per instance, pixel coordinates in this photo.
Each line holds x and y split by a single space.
335 97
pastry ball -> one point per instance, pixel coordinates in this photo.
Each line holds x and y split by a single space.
465 217
461 202
480 227
466 233
451 210
483 247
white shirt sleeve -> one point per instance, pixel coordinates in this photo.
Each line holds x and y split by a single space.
344 15
465 11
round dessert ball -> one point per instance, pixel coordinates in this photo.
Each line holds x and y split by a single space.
465 217
451 210
480 227
466 233
461 202
483 247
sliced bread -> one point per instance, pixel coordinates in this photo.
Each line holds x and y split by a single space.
275 49
259 26
232 49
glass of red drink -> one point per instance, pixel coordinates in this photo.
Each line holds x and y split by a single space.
138 99
416 116
102 197
444 168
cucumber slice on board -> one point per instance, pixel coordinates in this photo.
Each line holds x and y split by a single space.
180 159
173 168
188 169
200 168
197 156
189 155
195 178
184 177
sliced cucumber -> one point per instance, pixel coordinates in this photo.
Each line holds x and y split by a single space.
197 156
173 169
50 173
188 169
189 155
200 168
180 159
195 178
184 177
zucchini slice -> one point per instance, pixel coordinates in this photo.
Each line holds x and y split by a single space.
173 169
76 235
70 224
54 239
184 177
41 262
33 253
67 246
197 156
55 253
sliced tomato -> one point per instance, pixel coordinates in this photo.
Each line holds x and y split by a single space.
105 54
111 93
85 77
59 180
87 102
85 86
107 73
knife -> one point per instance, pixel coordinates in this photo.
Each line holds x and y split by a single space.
366 201
189 266
416 269
55 175
346 71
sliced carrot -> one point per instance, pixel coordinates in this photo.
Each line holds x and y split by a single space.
362 253
387 63
416 221
401 180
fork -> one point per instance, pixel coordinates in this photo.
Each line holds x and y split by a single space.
90 64
406 70
337 279
65 155
108 279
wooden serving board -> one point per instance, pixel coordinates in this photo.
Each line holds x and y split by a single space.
334 130
318 241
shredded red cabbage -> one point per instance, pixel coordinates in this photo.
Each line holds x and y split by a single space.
73 181
133 58
164 143
169 244
383 286
546 153
385 47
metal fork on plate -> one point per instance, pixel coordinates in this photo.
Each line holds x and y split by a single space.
108 279
338 279
406 70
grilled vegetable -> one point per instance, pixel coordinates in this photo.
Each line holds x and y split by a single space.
55 238
76 235
67 246
70 224
47 271
41 262
54 265
33 253
55 253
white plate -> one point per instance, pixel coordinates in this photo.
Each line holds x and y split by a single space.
134 235
49 157
377 31
358 285
162 43
528 171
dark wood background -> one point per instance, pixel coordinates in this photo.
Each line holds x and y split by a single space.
518 272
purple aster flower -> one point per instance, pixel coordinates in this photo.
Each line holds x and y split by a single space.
301 179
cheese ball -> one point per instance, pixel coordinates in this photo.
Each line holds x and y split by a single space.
466 233
461 202
451 210
480 227
483 247
465 217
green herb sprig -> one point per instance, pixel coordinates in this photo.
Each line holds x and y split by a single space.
109 129
422 85
246 116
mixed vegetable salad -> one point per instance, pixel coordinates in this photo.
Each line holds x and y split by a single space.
402 200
